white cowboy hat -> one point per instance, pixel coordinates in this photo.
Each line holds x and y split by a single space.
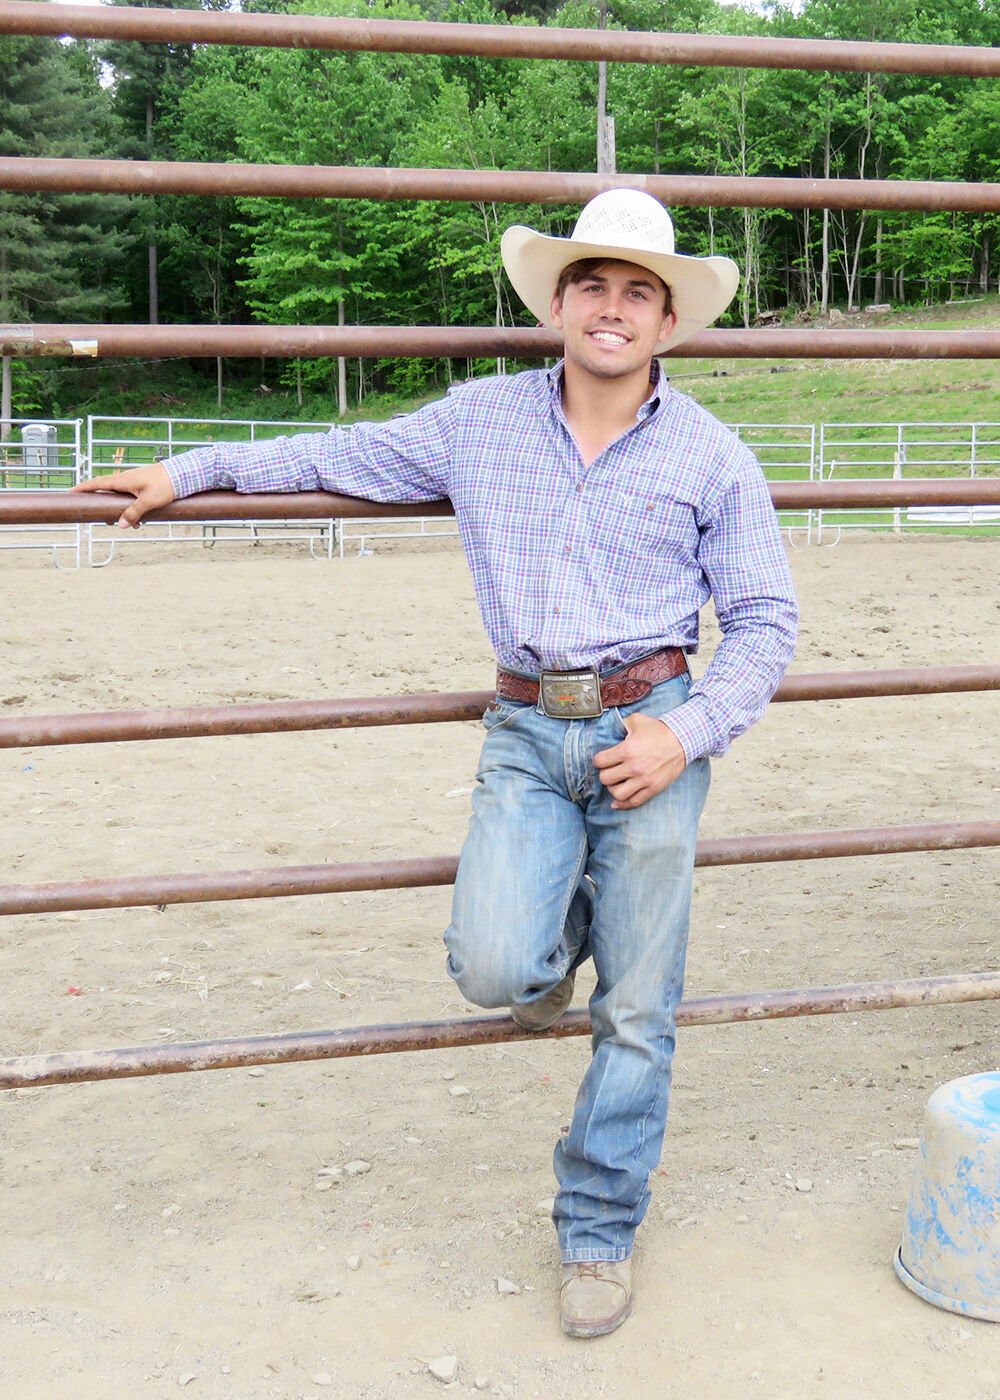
624 226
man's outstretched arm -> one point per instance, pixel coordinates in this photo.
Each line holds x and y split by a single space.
406 459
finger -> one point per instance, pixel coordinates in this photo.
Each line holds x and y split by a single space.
97 483
131 516
637 792
605 757
639 800
625 790
611 776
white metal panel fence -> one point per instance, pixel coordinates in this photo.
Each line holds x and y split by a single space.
786 451
36 456
907 451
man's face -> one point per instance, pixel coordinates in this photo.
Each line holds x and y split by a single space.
613 319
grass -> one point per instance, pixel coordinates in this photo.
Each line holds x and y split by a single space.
856 391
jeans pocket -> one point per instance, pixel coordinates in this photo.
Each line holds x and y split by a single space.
500 713
616 715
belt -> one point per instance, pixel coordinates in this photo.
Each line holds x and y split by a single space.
584 694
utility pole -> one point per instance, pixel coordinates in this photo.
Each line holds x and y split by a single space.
605 124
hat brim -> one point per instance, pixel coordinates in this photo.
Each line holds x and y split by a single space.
701 288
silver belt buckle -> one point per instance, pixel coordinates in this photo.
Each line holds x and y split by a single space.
570 694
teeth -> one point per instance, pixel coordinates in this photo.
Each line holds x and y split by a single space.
609 338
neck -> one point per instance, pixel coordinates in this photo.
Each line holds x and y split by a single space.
590 400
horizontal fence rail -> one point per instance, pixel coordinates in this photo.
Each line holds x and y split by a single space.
291 716
499 186
67 507
293 31
139 891
296 1047
521 342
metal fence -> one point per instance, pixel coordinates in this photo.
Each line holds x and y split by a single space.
786 452
285 30
49 460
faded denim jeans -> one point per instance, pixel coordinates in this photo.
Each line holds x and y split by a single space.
551 875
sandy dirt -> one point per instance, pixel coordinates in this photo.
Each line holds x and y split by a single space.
178 1234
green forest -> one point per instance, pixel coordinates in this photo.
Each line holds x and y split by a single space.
186 259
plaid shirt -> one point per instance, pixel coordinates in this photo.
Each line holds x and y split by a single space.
573 566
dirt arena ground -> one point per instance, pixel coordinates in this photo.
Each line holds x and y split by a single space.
190 1234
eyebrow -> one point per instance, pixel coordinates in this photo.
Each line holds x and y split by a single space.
632 282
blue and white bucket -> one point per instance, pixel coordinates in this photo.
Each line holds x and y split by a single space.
950 1251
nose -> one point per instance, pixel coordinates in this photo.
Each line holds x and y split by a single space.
611 310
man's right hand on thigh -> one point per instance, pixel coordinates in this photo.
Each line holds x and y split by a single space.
151 486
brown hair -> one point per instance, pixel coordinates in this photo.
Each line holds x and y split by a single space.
583 268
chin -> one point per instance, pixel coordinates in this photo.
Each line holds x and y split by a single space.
603 370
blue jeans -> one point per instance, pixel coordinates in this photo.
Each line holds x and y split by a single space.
551 875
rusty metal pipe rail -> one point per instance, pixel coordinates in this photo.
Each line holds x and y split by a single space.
145 890
296 31
521 342
498 186
298 1047
293 716
104 508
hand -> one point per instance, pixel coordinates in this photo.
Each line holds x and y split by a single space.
151 487
648 760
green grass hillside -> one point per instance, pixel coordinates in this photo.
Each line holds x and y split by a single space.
857 391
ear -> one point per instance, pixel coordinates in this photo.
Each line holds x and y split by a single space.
669 321
555 311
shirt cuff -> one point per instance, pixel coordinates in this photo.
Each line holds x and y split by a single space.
191 472
693 730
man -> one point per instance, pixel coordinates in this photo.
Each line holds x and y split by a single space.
599 510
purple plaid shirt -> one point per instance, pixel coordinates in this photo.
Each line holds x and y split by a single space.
573 566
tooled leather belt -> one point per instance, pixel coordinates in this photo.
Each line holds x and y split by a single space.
584 694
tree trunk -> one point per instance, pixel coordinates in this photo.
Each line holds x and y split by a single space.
605 124
5 398
154 291
807 282
341 365
852 272
5 372
878 259
824 276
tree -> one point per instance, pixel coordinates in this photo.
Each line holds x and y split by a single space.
200 242
58 253
147 78
307 258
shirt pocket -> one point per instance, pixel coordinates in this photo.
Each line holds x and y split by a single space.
667 519
655 523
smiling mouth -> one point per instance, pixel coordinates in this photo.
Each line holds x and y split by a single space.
608 338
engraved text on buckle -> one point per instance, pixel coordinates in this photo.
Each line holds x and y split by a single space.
570 694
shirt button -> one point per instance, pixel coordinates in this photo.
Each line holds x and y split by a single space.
556 611
579 486
568 549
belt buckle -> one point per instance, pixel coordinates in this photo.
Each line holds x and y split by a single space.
570 694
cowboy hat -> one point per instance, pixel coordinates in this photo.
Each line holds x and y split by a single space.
622 226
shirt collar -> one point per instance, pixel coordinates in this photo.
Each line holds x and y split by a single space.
657 388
